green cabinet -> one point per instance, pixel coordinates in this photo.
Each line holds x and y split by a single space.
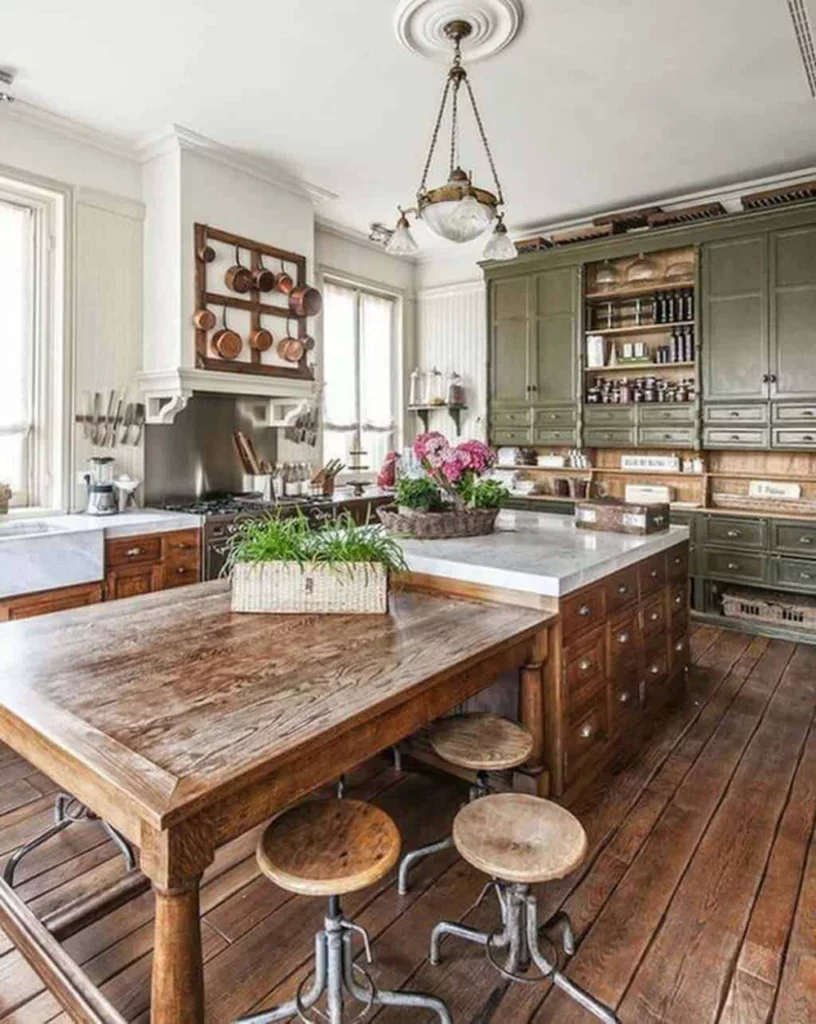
554 363
792 335
509 328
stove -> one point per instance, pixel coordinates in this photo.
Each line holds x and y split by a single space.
222 512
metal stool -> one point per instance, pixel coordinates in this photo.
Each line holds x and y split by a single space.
482 742
327 848
519 839
67 811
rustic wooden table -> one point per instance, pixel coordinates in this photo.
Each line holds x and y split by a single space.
184 725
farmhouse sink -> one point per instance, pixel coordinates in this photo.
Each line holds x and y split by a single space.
44 554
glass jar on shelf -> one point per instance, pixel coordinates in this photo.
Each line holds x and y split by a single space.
416 387
435 388
456 389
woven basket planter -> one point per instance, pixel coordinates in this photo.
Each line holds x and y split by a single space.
468 522
356 588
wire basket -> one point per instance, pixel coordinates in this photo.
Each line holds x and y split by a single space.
761 607
354 588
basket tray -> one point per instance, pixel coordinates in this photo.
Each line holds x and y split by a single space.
471 522
759 606
358 588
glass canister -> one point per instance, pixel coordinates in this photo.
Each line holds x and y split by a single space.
435 388
416 387
456 389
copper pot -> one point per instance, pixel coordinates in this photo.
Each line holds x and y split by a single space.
204 319
305 301
206 254
264 280
283 282
226 342
261 339
291 349
238 277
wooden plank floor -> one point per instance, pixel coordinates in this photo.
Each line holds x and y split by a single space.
697 902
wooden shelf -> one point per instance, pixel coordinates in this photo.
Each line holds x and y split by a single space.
674 474
639 368
636 290
641 328
454 411
563 471
786 478
543 497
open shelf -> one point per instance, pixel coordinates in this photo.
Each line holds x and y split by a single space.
559 471
454 411
641 328
636 290
648 472
639 368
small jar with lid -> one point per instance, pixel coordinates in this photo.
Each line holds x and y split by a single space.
456 390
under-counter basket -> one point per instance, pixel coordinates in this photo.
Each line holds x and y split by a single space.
354 588
788 609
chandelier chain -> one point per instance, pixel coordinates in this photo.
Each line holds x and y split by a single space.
454 125
485 143
434 137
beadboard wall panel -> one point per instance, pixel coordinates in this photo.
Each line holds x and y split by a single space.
452 335
108 344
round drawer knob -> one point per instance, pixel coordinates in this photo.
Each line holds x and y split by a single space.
678 646
623 589
655 670
585 610
733 566
678 599
584 664
623 638
732 533
586 731
132 552
653 574
624 697
678 560
654 616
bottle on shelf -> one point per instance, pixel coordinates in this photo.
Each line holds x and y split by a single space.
415 388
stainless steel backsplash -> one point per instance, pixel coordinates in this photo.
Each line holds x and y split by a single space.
195 455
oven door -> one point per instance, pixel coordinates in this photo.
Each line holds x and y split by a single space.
216 538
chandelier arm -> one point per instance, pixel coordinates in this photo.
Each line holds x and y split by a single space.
485 143
434 137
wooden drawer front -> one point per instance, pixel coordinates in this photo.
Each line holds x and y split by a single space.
566 416
661 437
653 617
738 414
734 533
626 695
795 438
131 550
610 415
621 589
732 565
677 563
45 601
656 661
794 572
509 435
543 435
586 735
614 437
182 547
510 417
174 575
714 437
583 611
679 600
655 415
679 625
584 668
623 640
793 538
678 651
803 413
652 574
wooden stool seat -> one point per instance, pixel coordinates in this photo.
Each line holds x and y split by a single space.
481 741
329 847
516 837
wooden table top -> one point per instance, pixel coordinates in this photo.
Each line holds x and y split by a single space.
172 700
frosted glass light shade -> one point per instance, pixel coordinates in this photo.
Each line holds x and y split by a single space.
458 220
499 246
402 242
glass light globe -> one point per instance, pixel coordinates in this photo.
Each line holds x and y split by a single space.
458 220
402 242
499 246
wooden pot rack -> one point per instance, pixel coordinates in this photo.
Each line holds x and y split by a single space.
206 297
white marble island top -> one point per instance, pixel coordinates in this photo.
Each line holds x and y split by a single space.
536 552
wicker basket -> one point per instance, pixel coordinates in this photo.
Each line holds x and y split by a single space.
794 506
468 522
356 588
760 607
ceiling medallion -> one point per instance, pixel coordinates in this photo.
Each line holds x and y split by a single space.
457 210
420 25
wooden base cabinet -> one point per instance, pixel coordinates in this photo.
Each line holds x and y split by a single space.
140 565
58 600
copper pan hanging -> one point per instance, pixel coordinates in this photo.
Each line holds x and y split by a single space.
305 301
238 277
226 342
291 349
260 339
264 280
283 281
204 319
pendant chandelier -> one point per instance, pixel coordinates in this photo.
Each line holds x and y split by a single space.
458 210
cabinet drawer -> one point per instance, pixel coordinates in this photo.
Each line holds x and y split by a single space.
652 574
614 437
734 532
795 438
793 538
623 639
727 414
181 547
566 416
793 572
584 668
656 661
677 563
582 611
792 413
653 618
678 600
753 437
565 436
654 415
625 696
174 575
131 550
621 589
613 415
660 437
678 652
509 417
733 565
509 435
586 735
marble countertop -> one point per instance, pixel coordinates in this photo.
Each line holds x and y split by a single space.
536 552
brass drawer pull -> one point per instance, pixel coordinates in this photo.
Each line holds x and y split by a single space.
806 575
807 437
733 533
679 646
678 599
586 731
133 552
623 638
735 437
653 574
624 697
182 571
733 565
623 588
734 412
807 412
678 560
585 664
655 670
585 610
654 616
805 539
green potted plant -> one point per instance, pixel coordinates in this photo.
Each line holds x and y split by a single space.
284 564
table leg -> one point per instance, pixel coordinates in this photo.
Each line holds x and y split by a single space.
531 709
178 968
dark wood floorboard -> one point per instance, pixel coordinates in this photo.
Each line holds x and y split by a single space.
696 903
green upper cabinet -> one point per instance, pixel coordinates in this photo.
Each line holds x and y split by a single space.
510 301
793 313
735 329
553 359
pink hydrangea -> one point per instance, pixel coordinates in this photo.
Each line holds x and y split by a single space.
476 455
432 448
454 466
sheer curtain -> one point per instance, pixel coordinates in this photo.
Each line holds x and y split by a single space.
16 380
358 361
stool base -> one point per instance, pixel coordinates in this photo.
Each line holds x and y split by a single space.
520 936
337 976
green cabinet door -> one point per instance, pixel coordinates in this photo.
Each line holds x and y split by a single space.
553 359
735 320
508 371
793 313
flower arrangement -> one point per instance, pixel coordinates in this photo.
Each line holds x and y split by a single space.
454 469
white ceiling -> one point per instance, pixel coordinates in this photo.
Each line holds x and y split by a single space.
596 104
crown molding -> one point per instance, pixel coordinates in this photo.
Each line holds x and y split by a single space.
474 286
67 127
177 137
348 234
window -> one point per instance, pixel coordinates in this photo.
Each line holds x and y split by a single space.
359 370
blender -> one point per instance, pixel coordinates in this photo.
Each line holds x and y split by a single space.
99 481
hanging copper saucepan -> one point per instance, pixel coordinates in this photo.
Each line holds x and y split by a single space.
283 282
226 342
264 280
289 348
238 277
206 254
305 301
261 339
204 319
